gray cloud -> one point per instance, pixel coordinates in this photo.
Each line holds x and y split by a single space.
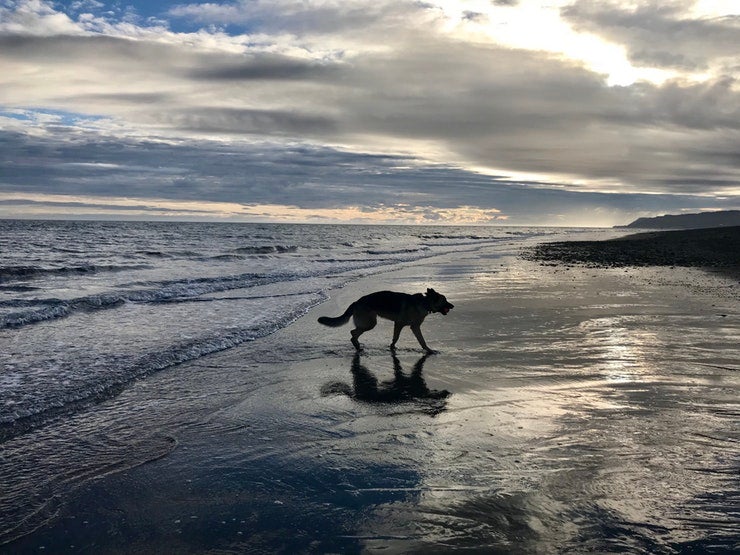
522 112
247 122
380 78
136 99
511 109
660 33
71 49
97 206
307 18
302 175
710 105
264 67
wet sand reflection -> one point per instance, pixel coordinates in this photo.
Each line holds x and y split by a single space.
403 388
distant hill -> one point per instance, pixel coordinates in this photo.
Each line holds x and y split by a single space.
722 218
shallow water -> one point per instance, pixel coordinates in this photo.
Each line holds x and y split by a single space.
87 307
570 410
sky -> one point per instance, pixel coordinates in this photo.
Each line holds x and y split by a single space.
513 112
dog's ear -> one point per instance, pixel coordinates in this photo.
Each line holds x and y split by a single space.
430 291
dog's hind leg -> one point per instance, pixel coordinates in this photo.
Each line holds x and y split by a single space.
363 322
355 334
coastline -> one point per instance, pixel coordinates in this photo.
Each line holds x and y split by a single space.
716 249
571 393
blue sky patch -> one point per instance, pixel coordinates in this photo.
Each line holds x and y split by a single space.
60 117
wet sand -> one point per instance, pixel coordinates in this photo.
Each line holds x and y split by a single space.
570 409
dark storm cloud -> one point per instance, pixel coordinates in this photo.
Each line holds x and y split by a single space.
659 33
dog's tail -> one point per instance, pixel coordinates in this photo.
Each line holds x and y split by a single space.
339 320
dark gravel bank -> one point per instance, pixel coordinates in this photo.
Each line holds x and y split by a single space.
714 248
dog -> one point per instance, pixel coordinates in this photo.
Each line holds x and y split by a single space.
403 309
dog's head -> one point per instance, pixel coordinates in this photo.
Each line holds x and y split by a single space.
437 302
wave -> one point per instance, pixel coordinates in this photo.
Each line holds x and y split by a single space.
452 241
26 417
154 254
396 251
29 272
159 291
447 236
225 257
50 309
266 249
40 310
18 288
163 254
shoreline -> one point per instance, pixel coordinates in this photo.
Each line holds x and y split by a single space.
558 397
714 249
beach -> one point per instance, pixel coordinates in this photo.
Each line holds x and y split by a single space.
714 249
571 408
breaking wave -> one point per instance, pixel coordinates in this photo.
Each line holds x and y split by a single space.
14 273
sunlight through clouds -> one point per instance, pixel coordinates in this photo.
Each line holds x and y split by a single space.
568 98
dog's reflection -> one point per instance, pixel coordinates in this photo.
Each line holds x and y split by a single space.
403 388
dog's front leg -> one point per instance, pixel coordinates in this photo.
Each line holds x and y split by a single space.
420 338
396 334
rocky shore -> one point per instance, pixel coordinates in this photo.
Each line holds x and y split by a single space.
713 248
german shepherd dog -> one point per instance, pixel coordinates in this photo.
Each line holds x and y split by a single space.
402 308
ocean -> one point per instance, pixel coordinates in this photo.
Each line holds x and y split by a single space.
87 307
165 388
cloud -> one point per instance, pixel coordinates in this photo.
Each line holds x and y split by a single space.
325 17
37 18
298 182
61 206
661 33
89 205
504 109
243 121
266 66
292 103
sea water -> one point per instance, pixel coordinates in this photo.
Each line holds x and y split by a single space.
587 410
86 307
